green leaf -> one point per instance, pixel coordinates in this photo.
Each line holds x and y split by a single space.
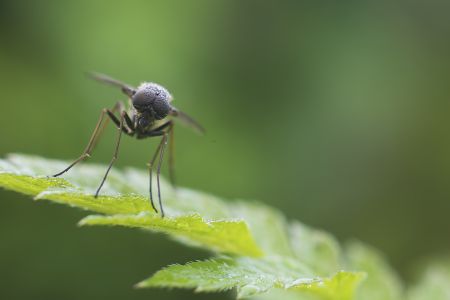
221 236
341 286
225 236
263 250
316 248
382 281
267 225
254 276
434 283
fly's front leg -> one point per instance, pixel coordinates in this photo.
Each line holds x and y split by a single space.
129 128
116 151
98 130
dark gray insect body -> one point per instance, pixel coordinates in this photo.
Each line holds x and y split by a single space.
148 116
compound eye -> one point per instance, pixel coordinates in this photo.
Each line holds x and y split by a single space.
161 108
141 100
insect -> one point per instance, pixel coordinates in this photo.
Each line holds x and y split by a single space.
149 114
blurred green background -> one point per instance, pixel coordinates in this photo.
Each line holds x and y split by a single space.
337 113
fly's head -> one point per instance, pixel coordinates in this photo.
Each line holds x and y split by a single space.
151 102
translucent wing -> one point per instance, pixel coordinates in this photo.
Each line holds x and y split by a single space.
127 89
187 120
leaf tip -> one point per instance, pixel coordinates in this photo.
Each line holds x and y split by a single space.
82 222
140 285
86 221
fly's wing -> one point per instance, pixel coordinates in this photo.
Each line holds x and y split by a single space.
126 89
187 120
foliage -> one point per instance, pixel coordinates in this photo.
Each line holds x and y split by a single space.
434 282
256 250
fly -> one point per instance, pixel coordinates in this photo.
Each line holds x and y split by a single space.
149 115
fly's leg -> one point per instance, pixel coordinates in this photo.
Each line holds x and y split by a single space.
161 130
98 130
116 151
161 156
171 155
150 173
